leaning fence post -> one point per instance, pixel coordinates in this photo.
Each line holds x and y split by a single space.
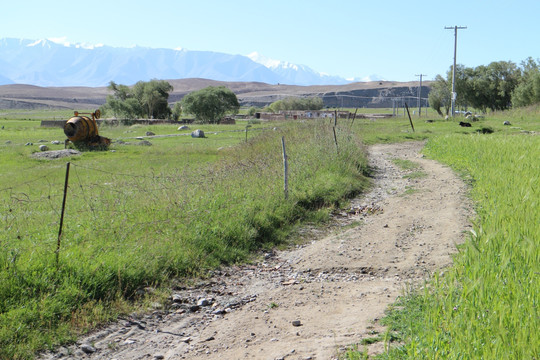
62 216
354 117
408 113
335 139
285 169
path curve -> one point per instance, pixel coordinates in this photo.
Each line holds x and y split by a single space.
313 301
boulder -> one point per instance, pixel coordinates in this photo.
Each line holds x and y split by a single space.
149 133
197 134
43 148
507 123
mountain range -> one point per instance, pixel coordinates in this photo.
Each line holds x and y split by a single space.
49 63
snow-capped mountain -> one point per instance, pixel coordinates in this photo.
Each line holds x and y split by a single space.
296 74
55 62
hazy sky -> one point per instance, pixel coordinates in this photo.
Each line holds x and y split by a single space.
394 39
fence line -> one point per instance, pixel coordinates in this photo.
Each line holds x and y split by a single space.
166 198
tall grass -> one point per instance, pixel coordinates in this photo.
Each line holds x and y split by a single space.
486 305
132 223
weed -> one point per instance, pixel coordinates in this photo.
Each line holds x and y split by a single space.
405 164
415 175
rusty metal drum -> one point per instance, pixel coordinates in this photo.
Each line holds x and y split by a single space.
80 128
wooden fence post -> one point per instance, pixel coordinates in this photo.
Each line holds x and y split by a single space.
285 169
62 216
335 139
408 113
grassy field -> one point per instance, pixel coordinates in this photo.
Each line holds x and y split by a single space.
141 216
486 305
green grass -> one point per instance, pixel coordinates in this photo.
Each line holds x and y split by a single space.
140 216
405 164
486 305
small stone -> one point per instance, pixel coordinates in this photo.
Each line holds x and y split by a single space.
183 127
139 138
55 142
130 341
28 144
159 356
42 141
176 298
149 133
43 148
144 143
194 308
296 323
203 302
186 339
88 349
8 142
506 123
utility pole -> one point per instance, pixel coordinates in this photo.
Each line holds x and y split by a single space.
420 95
454 95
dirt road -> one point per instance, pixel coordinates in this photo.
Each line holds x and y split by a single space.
312 301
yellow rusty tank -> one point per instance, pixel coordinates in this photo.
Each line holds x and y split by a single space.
83 130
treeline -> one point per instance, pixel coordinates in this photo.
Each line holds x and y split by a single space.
149 99
297 103
497 86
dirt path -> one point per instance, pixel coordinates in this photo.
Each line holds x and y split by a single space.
314 300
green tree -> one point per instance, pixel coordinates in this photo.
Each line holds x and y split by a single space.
527 92
297 103
486 87
210 104
145 99
177 110
440 95
252 110
153 96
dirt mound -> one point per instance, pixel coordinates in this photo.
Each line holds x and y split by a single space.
55 154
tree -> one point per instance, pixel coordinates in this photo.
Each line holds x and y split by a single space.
210 104
440 95
486 87
527 92
252 110
297 103
145 99
153 97
177 110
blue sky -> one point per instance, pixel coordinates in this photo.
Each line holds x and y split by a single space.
394 39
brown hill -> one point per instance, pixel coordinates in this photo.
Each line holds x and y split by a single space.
360 94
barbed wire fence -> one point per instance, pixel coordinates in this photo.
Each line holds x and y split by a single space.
111 211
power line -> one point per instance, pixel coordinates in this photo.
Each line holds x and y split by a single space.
454 95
